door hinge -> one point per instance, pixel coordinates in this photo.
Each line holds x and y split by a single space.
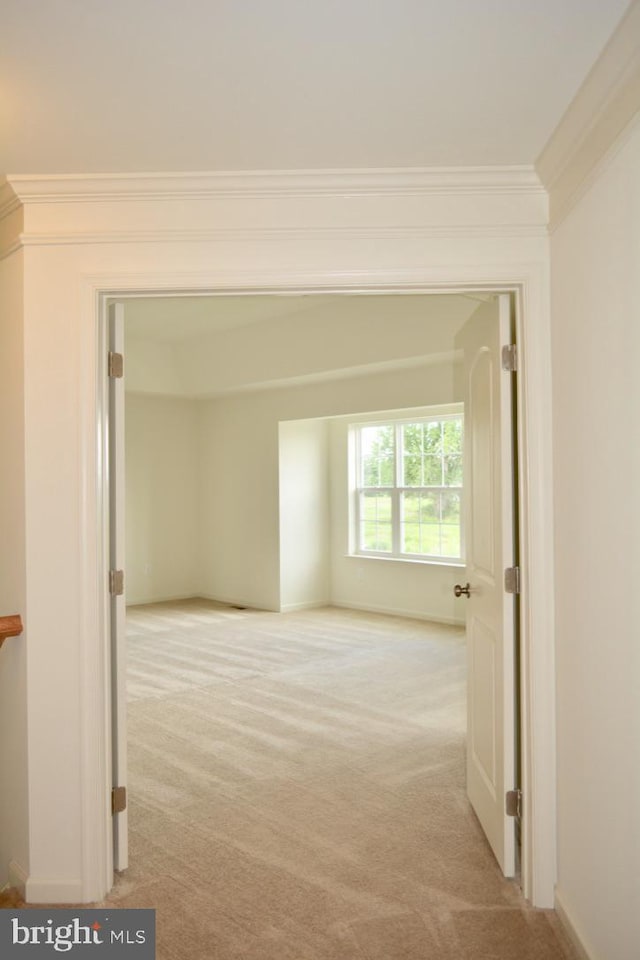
116 365
116 583
513 803
510 358
118 800
512 580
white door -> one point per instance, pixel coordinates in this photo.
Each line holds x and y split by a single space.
489 550
116 562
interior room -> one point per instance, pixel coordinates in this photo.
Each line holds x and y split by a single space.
228 399
163 150
280 657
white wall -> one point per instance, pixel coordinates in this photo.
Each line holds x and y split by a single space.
282 341
152 365
162 498
239 507
80 238
218 491
241 502
304 514
595 259
337 334
14 797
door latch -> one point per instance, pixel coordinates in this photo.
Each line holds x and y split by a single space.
459 590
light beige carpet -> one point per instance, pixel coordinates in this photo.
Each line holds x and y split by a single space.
296 792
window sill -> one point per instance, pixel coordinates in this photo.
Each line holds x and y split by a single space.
458 564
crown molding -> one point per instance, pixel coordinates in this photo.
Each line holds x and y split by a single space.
9 201
69 188
54 210
244 234
8 249
11 220
277 234
596 120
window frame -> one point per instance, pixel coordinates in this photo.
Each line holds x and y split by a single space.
397 490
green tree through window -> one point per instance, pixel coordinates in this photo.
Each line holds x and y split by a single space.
409 488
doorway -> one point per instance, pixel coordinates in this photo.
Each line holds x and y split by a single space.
377 366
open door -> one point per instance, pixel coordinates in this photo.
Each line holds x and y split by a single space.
116 587
490 622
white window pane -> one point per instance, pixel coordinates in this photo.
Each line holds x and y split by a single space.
412 471
375 522
450 508
428 519
412 439
453 471
432 471
411 538
452 436
433 438
430 539
450 540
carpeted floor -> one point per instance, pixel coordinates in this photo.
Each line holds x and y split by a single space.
296 792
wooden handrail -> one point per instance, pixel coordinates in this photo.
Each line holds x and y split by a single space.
10 627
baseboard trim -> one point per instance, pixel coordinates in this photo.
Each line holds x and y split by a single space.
17 878
164 599
53 891
305 605
236 602
577 941
399 612
316 604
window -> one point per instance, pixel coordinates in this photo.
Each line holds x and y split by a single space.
408 488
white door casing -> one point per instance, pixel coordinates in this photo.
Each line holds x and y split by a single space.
538 850
489 498
78 242
489 547
117 603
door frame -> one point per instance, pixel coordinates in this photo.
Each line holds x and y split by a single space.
529 286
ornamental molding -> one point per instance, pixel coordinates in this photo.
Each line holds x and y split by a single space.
507 231
244 234
125 187
93 208
9 200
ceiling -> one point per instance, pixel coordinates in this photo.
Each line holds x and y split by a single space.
89 86
213 346
191 319
175 319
